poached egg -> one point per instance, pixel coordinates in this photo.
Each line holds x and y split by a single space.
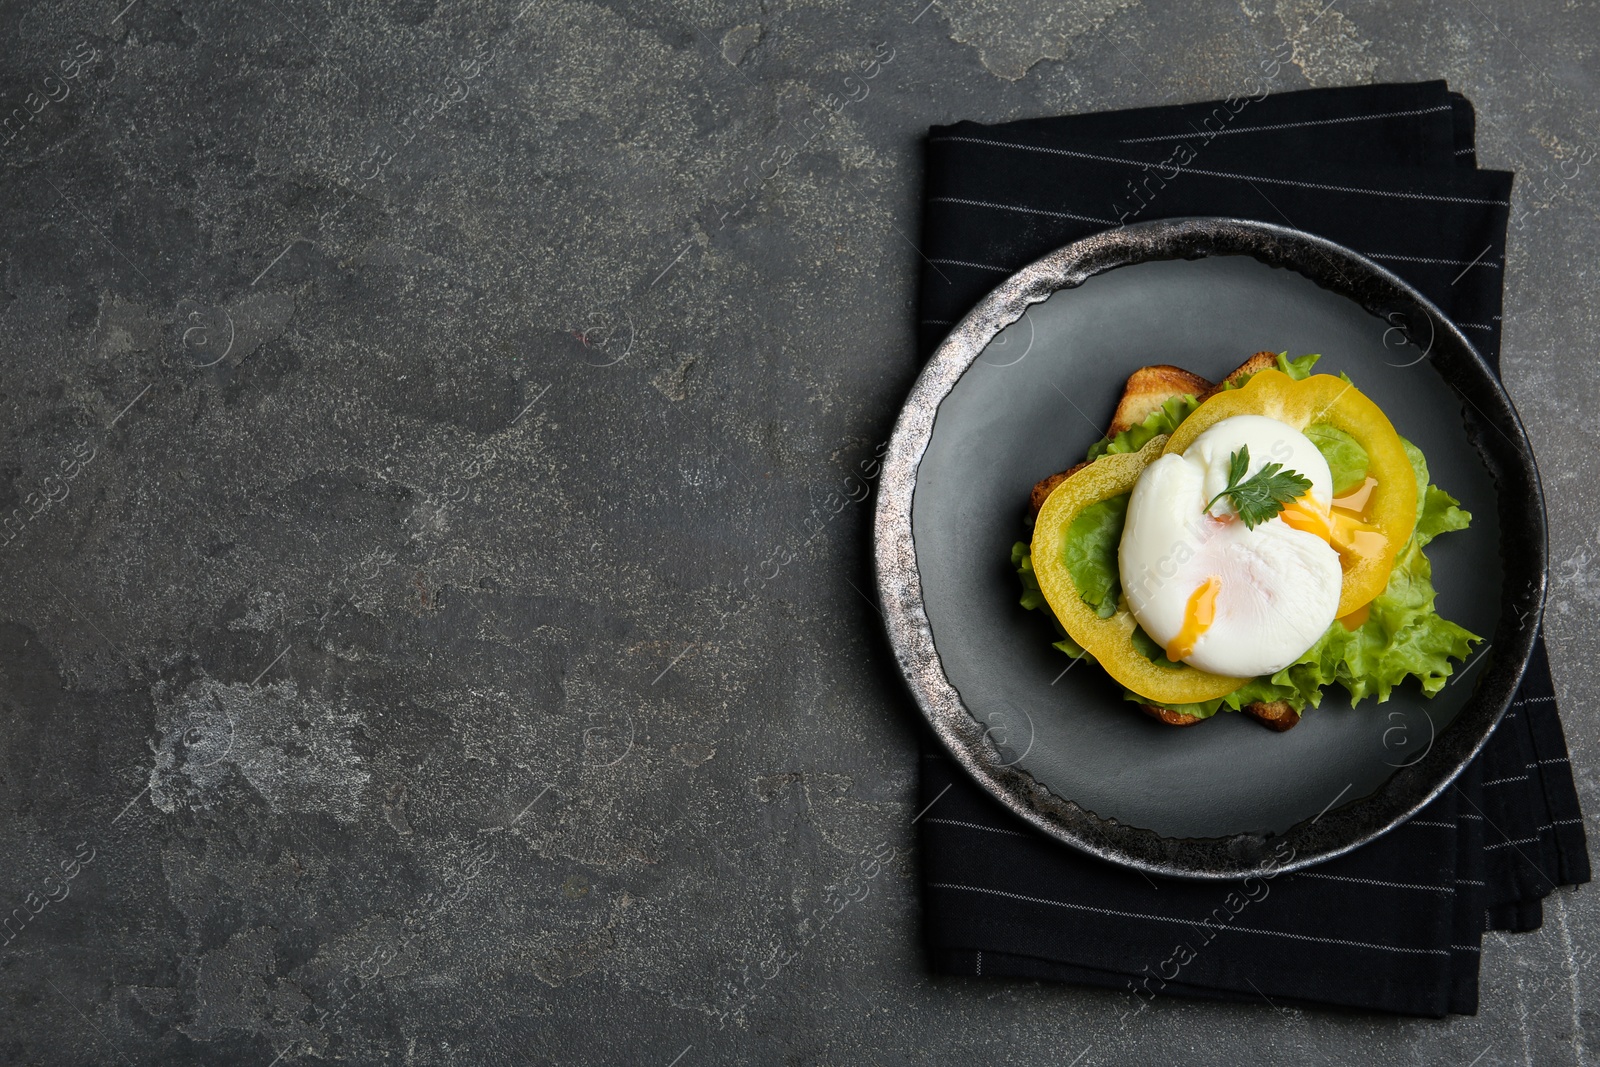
1215 594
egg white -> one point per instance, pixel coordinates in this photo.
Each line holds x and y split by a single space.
1279 586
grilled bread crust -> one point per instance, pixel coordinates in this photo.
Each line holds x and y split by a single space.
1259 361
1148 388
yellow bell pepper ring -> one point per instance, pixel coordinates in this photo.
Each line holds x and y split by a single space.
1110 641
1367 541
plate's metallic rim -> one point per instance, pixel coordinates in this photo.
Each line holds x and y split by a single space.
1333 267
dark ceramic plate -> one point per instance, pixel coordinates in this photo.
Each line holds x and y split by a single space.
1025 383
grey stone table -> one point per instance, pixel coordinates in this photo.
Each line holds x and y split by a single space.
420 645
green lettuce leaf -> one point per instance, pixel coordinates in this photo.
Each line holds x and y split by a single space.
1090 553
1298 369
1022 560
1163 419
1437 512
1347 460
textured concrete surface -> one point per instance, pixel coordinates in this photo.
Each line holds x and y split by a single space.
432 639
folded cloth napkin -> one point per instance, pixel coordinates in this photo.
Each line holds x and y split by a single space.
1387 170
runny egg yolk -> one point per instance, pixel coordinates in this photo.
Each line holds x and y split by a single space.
1356 499
1198 615
1340 525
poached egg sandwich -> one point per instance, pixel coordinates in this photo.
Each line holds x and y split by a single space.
1240 546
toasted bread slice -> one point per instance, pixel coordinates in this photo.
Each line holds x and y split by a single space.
1277 715
1259 361
1150 387
1145 390
1168 716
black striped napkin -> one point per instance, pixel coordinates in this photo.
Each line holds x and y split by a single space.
1388 170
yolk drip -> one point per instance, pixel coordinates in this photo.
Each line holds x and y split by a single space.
1308 516
1198 616
1356 499
1340 525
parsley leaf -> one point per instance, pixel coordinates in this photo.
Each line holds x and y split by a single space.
1262 496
